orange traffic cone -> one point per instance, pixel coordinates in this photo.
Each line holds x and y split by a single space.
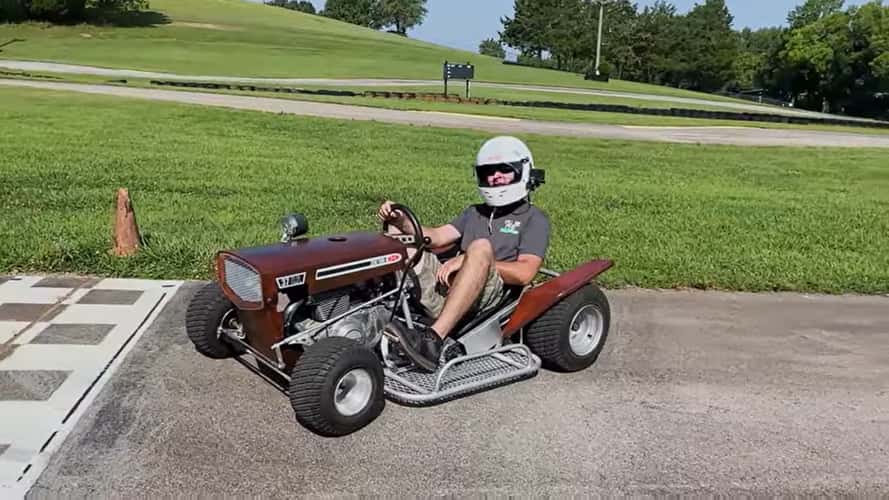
126 231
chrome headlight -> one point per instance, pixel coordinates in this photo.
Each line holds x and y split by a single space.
242 280
292 226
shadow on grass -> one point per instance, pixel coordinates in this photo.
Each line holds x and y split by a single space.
108 18
130 19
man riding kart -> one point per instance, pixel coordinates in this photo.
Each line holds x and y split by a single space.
503 241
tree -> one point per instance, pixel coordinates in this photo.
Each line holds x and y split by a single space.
491 47
813 10
402 14
821 52
361 12
64 10
118 5
12 10
298 5
619 33
708 46
526 30
53 10
655 42
302 6
757 61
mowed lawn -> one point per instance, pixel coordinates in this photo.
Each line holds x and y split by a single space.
240 38
206 179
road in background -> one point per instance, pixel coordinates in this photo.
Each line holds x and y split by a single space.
379 82
743 136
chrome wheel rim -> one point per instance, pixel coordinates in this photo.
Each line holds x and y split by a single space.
352 392
586 329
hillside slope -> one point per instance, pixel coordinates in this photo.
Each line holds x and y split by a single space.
238 38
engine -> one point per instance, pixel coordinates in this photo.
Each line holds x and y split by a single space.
364 325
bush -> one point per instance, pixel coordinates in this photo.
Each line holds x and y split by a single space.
58 11
11 10
605 70
55 10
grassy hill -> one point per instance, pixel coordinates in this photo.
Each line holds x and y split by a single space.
238 38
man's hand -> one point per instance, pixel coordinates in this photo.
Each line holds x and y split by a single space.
448 268
386 214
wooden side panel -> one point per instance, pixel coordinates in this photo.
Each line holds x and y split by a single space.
537 300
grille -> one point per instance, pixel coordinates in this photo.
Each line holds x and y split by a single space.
243 281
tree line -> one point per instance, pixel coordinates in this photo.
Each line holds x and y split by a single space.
397 15
299 5
63 10
828 58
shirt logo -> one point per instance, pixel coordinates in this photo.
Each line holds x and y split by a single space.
511 227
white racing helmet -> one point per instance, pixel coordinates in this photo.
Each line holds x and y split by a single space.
504 152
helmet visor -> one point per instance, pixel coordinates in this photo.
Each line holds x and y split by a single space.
487 173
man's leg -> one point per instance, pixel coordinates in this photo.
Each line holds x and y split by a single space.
466 287
424 345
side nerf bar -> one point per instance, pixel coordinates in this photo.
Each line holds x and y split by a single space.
535 301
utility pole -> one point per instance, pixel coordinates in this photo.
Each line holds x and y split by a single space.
599 38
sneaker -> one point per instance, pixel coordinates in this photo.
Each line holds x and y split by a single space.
422 346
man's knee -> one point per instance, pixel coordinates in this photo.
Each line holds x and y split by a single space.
481 249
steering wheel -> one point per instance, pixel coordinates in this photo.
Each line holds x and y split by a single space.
417 240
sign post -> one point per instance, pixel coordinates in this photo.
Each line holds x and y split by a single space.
458 72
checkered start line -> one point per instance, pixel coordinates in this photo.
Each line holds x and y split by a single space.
60 339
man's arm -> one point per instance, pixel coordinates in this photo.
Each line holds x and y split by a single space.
521 271
439 236
532 249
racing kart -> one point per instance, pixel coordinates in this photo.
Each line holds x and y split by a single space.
309 315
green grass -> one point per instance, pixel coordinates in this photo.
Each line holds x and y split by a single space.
204 179
238 38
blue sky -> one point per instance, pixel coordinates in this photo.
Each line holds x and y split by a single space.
464 23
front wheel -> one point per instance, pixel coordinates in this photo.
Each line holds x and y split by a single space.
210 314
570 336
336 387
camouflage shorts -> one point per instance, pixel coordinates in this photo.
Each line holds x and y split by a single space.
433 293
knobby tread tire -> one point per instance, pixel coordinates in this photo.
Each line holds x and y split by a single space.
547 337
313 381
204 313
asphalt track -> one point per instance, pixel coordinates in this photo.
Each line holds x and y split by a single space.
695 393
381 82
742 136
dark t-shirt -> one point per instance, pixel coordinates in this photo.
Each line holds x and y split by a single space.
519 230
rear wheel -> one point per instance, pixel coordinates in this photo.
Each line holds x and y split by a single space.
570 336
336 387
209 314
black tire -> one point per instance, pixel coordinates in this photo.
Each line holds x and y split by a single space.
549 335
313 384
205 313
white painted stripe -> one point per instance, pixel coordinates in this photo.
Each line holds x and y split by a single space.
28 425
364 265
23 295
9 329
